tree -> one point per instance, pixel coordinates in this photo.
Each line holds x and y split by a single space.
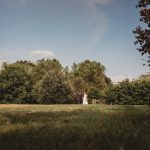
130 92
43 66
46 81
15 84
142 36
95 93
89 75
51 84
54 88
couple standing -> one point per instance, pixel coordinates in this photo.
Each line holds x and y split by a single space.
82 98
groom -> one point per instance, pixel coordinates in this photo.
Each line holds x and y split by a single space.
79 98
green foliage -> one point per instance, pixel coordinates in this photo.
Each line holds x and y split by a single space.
125 92
89 75
53 88
42 82
43 66
142 33
15 84
50 82
95 94
46 81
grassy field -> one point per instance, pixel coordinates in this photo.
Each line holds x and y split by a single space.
74 127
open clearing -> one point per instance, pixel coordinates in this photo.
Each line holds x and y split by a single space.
74 127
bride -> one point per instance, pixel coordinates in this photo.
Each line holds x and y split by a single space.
85 100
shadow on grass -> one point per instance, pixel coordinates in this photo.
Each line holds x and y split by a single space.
125 129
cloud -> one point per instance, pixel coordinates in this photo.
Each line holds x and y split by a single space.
99 18
1 62
42 53
119 78
14 3
1 59
94 3
101 2
1 56
100 28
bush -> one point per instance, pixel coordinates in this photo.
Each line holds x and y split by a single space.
130 93
53 88
15 84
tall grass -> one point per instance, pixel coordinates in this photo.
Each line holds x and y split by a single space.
74 127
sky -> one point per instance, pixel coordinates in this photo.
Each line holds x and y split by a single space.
72 31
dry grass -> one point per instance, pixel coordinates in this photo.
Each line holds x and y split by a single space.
74 127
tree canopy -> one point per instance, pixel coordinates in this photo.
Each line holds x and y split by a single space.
130 92
89 76
15 84
47 81
142 35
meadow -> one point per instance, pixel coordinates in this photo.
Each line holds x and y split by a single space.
74 127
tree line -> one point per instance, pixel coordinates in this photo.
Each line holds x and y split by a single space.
48 82
136 92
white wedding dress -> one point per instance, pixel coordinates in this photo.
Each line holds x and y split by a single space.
85 100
